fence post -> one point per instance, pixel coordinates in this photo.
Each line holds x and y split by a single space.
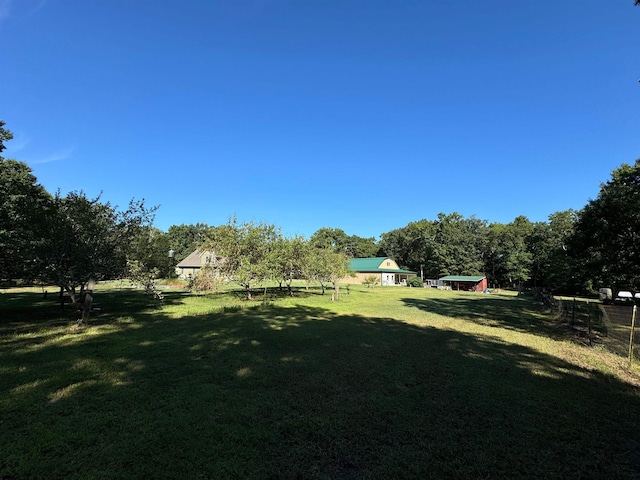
633 326
589 321
573 311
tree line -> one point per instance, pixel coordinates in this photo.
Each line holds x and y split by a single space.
66 240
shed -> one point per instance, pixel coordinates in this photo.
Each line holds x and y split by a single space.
469 283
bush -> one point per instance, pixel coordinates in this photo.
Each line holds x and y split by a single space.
415 282
370 281
205 279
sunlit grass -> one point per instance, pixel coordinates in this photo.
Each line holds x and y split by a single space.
384 383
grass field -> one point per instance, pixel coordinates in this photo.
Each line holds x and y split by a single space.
385 383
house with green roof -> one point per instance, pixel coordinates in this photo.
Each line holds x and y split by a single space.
384 268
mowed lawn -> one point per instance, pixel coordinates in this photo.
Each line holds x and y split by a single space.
385 383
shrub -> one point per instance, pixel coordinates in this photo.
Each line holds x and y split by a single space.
205 279
370 281
415 282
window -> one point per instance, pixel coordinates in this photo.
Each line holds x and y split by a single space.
388 264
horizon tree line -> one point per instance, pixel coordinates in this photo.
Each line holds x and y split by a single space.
66 240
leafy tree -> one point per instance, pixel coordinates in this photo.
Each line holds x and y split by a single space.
24 205
508 259
351 245
606 242
327 266
184 239
150 246
88 240
458 245
248 252
518 257
412 246
291 256
5 135
551 267
148 259
331 238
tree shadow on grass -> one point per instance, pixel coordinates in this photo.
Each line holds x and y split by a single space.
302 392
523 314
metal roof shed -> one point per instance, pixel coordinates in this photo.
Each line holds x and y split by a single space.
469 283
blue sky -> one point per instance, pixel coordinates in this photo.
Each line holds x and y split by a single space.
361 115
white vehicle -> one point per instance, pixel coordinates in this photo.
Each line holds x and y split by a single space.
624 297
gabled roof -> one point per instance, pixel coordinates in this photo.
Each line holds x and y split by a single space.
373 264
194 259
462 278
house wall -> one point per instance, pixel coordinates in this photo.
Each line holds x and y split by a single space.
359 277
186 272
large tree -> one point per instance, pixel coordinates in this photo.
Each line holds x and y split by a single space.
551 267
351 245
24 205
606 242
88 240
184 239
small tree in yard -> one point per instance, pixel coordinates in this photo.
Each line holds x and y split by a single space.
327 266
370 281
291 257
247 250
205 279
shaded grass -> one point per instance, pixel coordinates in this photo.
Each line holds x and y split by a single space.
386 383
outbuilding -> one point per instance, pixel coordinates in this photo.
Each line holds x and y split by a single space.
468 283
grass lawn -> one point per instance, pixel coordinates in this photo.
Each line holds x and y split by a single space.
386 383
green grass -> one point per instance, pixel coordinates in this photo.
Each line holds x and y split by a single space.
386 383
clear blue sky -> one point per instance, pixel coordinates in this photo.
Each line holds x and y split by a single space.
362 115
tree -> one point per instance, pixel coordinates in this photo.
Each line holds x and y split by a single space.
24 205
184 239
551 267
351 245
606 242
5 135
412 247
88 240
457 246
327 266
248 252
291 256
148 259
508 258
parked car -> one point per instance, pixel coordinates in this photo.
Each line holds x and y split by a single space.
624 297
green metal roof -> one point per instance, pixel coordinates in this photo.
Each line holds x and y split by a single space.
372 264
462 278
